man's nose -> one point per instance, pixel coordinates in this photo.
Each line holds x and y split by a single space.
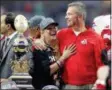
66 17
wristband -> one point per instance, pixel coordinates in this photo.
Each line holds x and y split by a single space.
58 64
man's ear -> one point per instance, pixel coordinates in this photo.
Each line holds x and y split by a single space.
80 17
8 26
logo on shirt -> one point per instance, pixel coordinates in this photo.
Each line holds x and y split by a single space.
106 36
84 42
52 59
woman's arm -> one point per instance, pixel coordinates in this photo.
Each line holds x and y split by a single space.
68 51
42 62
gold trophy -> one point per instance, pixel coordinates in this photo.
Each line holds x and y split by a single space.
20 63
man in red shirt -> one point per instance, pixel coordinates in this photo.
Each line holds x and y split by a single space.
79 70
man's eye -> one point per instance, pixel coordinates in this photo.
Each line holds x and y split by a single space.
50 28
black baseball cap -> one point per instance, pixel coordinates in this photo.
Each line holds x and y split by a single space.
46 22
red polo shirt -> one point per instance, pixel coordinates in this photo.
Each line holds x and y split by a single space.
81 68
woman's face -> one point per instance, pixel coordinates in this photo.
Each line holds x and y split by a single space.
50 34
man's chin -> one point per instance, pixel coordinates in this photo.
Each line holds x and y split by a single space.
69 26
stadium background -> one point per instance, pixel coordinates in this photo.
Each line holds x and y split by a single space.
54 9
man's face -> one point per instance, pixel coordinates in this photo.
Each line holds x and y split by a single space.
71 16
34 32
50 33
3 25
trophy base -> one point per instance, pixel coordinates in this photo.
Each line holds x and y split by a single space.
22 80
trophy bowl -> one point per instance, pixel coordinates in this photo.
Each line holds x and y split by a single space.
21 23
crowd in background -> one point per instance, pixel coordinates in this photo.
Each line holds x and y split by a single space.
54 9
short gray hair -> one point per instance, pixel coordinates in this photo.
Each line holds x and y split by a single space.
81 8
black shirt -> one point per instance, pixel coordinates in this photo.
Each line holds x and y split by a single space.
41 69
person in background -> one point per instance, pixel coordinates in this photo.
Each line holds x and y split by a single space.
7 50
45 64
2 33
3 27
101 25
34 26
2 37
34 29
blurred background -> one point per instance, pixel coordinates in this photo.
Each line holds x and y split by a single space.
54 9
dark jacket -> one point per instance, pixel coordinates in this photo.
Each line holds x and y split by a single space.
41 70
5 66
107 62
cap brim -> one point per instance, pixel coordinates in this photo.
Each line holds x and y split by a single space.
54 24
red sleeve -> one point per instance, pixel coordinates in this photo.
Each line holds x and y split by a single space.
59 37
99 46
61 34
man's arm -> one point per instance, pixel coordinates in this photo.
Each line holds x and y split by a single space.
98 47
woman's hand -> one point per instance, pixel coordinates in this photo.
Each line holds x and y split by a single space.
69 50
